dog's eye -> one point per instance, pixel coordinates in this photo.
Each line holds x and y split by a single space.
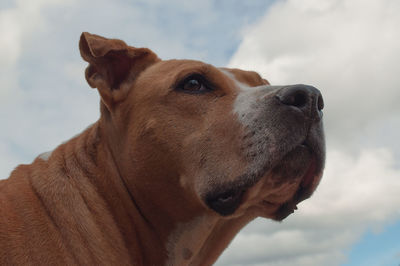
194 84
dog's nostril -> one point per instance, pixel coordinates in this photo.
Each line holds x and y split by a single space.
299 99
306 98
320 103
294 97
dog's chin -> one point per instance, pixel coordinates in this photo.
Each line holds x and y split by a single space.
304 190
301 166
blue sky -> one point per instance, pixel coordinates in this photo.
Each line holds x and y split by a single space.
377 248
348 49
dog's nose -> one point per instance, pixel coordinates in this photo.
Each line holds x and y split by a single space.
303 97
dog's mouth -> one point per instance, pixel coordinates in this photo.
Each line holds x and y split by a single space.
225 201
304 191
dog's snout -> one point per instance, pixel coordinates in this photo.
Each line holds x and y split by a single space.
306 98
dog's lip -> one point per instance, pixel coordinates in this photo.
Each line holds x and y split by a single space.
227 202
283 208
270 204
303 192
310 174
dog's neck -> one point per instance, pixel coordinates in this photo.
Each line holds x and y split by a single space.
202 240
152 233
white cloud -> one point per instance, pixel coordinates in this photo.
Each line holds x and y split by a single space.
356 193
350 50
16 26
44 98
19 24
364 188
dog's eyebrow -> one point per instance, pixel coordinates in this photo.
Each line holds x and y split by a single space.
201 70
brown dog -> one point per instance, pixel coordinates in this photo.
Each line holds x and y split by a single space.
183 156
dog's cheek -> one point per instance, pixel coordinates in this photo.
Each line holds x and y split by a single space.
208 162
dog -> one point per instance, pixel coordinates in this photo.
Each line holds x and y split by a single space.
183 156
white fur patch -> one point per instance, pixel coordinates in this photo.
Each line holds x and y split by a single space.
241 85
45 156
246 97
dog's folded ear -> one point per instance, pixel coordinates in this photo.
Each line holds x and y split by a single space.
113 65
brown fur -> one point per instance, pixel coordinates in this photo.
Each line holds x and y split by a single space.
118 193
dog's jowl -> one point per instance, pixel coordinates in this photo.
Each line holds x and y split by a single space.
183 156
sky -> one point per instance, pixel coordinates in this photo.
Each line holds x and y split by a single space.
348 49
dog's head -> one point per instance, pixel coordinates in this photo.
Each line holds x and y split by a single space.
223 140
